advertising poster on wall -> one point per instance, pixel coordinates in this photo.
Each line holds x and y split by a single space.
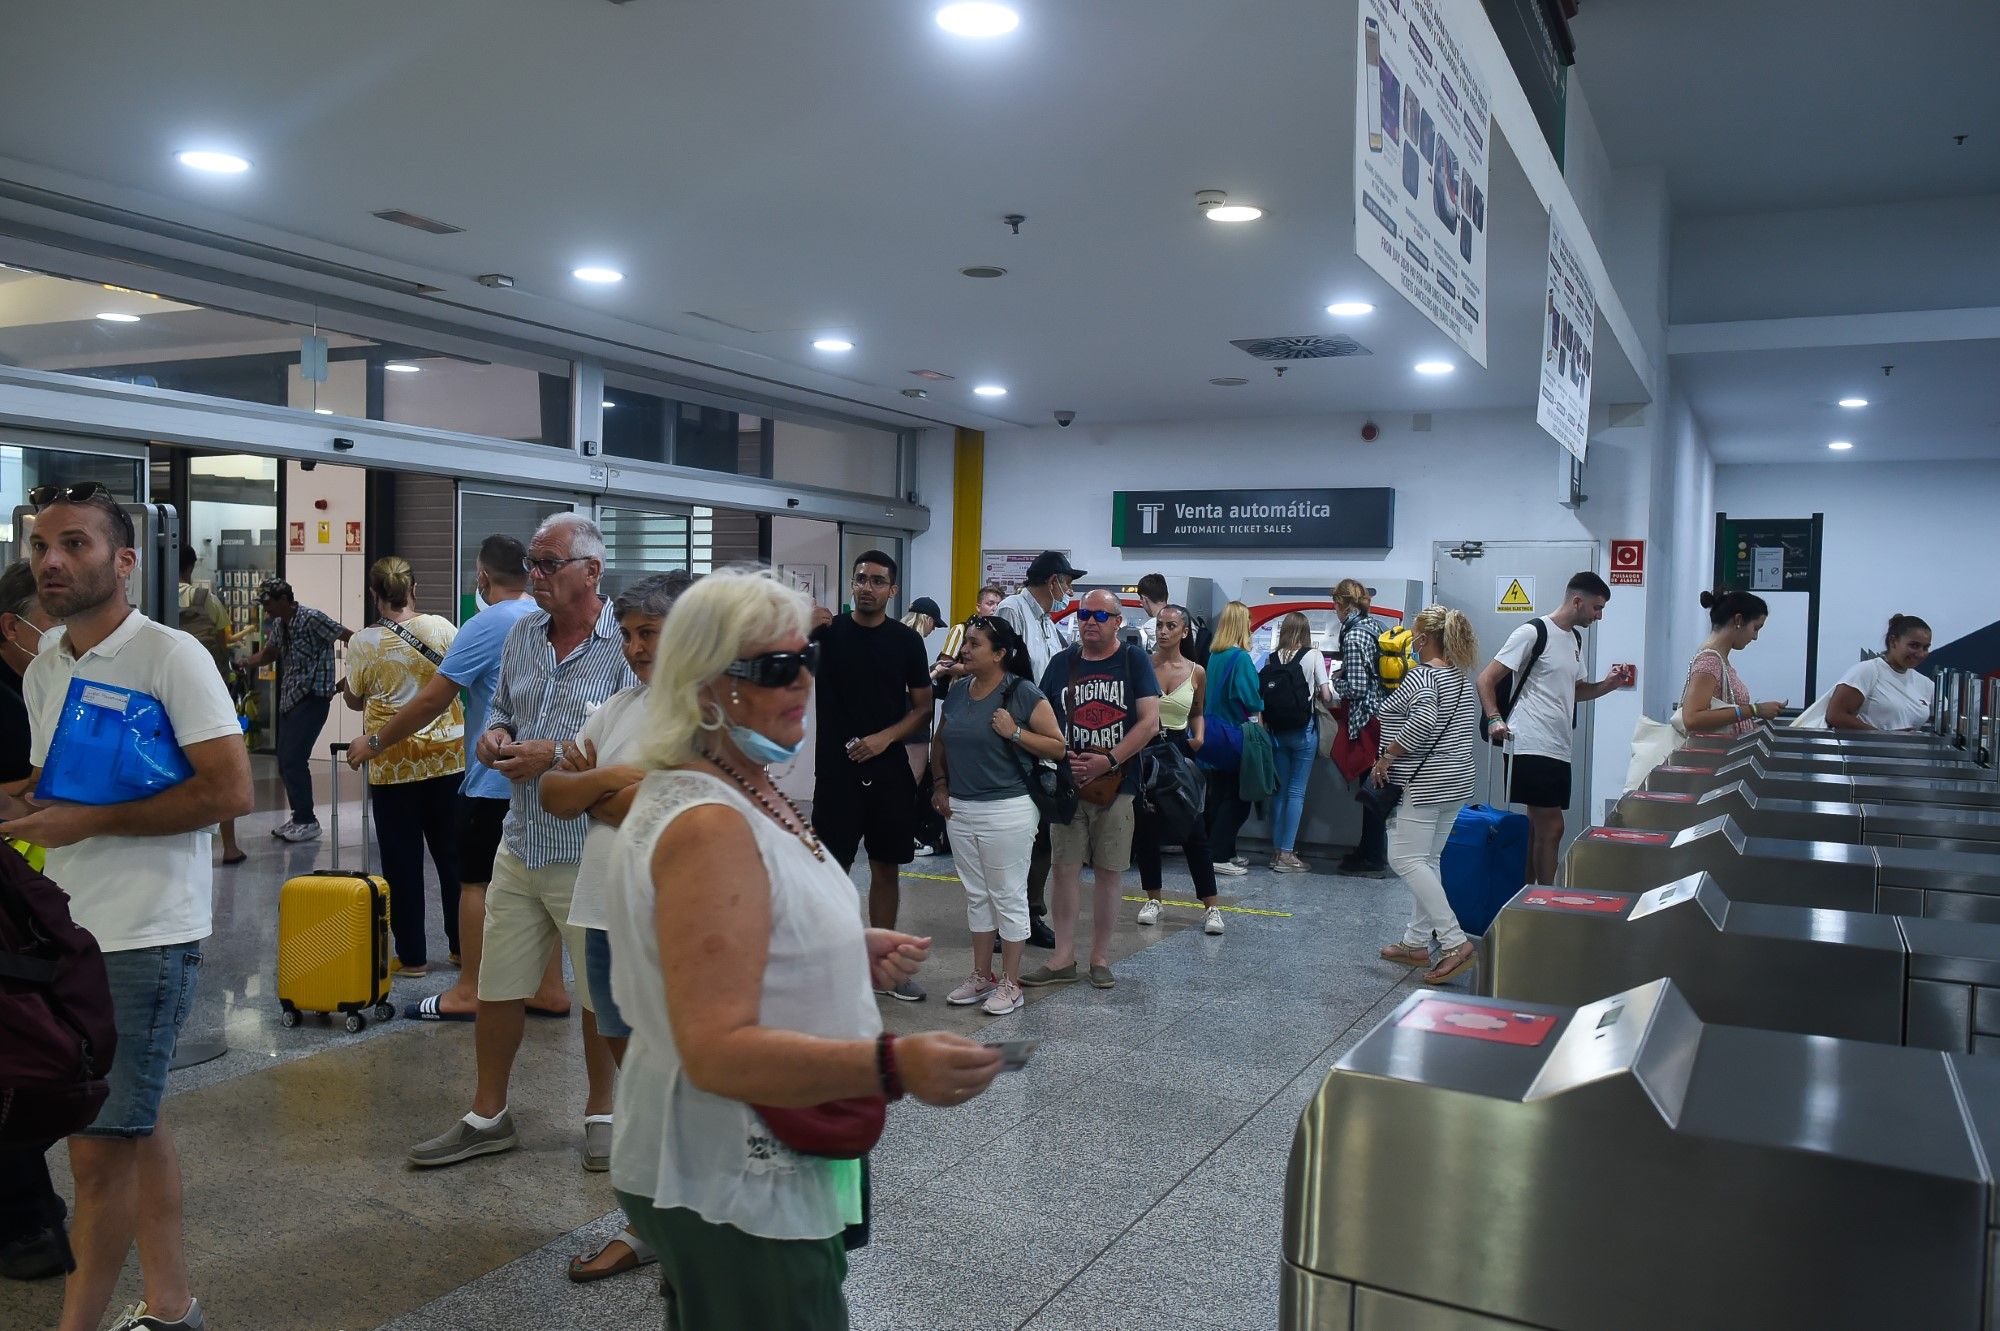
1007 569
1569 325
1422 130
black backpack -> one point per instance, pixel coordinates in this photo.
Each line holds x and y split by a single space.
1172 790
1509 693
55 1007
1287 696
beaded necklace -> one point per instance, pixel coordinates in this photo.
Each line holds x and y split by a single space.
803 831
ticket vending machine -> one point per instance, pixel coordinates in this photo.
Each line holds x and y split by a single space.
1331 820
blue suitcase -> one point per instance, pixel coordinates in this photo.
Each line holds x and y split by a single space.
1485 863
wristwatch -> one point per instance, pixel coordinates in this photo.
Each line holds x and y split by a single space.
559 754
1016 736
375 743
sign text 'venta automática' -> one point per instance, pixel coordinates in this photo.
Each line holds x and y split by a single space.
1286 518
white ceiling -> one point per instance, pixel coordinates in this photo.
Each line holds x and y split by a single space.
1941 403
799 168
1776 105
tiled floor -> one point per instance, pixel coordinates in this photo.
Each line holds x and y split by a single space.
1131 1176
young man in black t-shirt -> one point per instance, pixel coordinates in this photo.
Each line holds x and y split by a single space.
873 692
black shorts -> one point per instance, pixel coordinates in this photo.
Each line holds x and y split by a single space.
1539 783
480 820
875 808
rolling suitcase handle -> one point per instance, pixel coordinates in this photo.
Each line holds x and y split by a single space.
334 751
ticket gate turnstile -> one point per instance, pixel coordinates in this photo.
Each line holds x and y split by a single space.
1699 777
1476 1164
1930 984
1875 743
1950 765
1975 831
1872 880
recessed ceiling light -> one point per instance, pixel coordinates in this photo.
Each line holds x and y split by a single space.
221 164
1840 445
322 411
607 404
1229 381
1234 212
115 317
1852 402
978 20
601 276
1350 309
398 367
990 390
832 344
1435 367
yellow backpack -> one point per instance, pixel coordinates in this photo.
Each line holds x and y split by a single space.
1394 659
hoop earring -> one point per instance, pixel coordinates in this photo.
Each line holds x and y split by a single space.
711 708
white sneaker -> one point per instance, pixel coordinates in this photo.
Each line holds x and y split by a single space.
282 828
301 832
1230 869
1150 912
1005 998
1211 923
1239 861
975 988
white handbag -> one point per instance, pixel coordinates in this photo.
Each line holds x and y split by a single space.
1653 742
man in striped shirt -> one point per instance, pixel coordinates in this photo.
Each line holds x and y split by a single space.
559 664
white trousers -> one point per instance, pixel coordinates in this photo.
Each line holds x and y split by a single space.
1417 834
991 843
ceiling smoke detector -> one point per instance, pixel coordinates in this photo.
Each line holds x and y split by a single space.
1306 346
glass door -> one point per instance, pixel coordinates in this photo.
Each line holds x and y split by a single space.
29 459
640 542
854 542
484 513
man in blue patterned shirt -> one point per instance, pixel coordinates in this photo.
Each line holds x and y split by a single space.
558 665
1359 686
300 639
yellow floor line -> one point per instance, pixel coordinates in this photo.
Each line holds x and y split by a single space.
1164 901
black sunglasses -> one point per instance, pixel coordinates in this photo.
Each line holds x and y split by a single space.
83 492
774 670
1098 616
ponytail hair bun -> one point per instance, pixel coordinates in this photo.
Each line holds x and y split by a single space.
1724 606
1708 600
1902 626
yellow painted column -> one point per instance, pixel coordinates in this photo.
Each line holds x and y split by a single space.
968 498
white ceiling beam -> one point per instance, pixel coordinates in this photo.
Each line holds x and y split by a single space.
1836 330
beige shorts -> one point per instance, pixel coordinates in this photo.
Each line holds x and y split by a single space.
1098 837
527 911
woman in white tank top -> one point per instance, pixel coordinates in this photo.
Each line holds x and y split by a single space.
740 962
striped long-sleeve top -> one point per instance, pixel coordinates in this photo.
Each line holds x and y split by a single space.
1434 715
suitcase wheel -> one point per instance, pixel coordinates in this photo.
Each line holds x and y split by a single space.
289 1018
355 1023
384 1011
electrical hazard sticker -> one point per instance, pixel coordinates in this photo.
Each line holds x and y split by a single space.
1496 1025
1562 898
1514 596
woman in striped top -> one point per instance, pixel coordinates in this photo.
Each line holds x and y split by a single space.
1430 724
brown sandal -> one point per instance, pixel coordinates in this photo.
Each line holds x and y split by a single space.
637 1254
1452 962
1406 954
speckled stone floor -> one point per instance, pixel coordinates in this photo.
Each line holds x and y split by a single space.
1132 1175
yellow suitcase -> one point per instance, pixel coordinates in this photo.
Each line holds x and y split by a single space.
333 936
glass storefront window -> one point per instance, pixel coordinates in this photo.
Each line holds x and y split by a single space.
232 527
68 326
22 468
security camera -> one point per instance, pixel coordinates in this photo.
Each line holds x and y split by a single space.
342 445
1063 418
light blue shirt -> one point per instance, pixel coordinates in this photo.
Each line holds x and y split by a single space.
473 663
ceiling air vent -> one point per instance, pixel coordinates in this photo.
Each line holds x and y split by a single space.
401 218
933 375
1306 347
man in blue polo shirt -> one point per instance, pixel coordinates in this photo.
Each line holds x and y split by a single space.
473 664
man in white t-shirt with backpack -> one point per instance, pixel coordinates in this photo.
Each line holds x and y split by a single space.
1530 691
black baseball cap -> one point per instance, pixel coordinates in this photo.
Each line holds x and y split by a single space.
1049 564
924 605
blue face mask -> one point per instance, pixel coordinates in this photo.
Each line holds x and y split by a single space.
761 749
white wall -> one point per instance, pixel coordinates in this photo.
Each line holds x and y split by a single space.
1678 570
325 576
1900 539
1586 166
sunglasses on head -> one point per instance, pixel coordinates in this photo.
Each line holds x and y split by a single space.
1097 616
83 492
774 670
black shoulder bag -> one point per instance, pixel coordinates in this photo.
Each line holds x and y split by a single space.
417 644
1048 783
1383 799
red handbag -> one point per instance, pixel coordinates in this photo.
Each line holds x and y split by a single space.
1353 757
835 1129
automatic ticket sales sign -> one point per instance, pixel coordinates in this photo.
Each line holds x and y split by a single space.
1283 519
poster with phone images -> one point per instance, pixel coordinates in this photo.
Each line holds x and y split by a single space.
1569 324
1422 129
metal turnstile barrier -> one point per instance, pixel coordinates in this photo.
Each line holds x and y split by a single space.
1930 984
1946 765
1877 743
1975 831
1476 1164
1873 880
1679 777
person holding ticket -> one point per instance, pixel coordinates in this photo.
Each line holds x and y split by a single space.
139 876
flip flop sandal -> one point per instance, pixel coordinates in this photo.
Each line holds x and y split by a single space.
431 1009
1452 963
1406 954
237 858
641 1254
544 1012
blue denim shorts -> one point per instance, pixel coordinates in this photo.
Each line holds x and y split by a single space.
597 974
152 992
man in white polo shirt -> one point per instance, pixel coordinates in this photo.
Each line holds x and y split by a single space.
139 878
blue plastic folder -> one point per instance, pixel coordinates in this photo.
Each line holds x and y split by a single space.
112 745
